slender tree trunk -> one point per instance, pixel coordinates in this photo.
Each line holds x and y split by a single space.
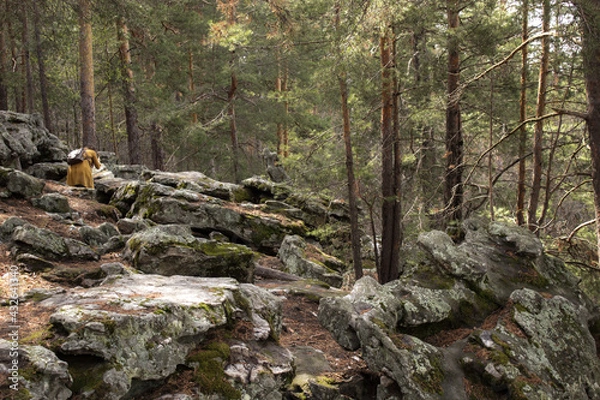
282 129
158 157
490 158
192 83
26 56
354 229
536 181
41 67
590 11
86 76
131 115
453 189
233 126
398 229
230 12
352 185
520 213
3 57
388 270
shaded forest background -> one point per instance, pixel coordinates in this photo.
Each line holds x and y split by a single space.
420 113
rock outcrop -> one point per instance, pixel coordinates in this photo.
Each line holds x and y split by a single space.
523 329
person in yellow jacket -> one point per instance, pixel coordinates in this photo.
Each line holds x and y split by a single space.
81 174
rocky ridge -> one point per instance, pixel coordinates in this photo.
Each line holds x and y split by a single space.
177 286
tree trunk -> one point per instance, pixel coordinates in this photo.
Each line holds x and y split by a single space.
41 67
354 229
86 76
230 12
522 117
158 158
453 189
490 158
192 83
3 58
131 115
388 270
590 11
233 127
26 57
536 180
282 129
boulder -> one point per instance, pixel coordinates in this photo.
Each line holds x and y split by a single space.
139 328
44 243
56 171
197 182
519 322
33 372
52 203
540 348
306 260
174 250
25 141
241 223
19 184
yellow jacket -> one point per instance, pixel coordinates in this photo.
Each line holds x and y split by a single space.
81 174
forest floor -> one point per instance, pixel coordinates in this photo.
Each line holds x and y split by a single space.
300 324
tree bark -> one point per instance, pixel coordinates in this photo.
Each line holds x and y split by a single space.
282 129
86 76
354 229
26 57
233 126
158 158
520 213
230 11
536 180
41 67
3 58
590 12
388 269
131 115
453 189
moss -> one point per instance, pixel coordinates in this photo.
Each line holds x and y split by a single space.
110 325
431 381
519 389
209 373
214 248
38 336
21 394
87 373
241 195
262 232
107 211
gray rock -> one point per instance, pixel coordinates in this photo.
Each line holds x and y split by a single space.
144 326
540 342
33 263
20 184
93 236
34 370
294 254
25 141
9 226
196 182
53 203
165 205
173 250
40 242
128 226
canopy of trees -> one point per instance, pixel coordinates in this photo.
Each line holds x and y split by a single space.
421 113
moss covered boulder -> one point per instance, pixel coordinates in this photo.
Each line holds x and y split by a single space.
174 250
